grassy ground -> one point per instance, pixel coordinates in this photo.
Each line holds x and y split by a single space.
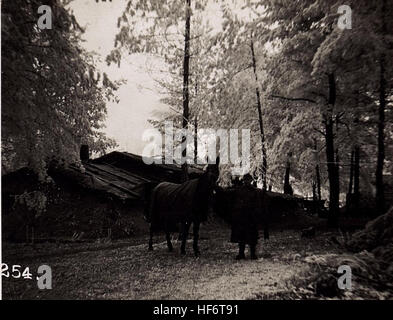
127 270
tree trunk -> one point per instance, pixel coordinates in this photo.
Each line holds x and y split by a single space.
287 185
354 197
318 182
356 179
317 173
333 175
186 94
196 127
314 191
380 197
314 197
286 179
349 199
196 139
260 119
350 187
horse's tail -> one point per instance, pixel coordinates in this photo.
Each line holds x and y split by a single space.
148 200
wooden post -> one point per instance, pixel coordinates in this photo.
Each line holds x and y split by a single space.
84 152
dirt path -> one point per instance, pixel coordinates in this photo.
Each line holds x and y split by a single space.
132 272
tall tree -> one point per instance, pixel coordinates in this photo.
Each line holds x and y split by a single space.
260 119
186 75
380 196
236 91
319 63
164 30
53 98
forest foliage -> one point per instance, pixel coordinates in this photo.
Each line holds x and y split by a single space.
312 93
53 96
316 97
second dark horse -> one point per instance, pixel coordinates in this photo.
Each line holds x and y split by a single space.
187 203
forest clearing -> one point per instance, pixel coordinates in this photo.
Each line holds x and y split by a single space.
288 268
197 149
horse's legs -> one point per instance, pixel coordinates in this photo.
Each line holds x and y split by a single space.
196 237
168 241
151 238
184 233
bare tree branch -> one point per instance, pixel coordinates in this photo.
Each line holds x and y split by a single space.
293 99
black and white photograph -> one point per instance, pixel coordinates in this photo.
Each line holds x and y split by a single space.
216 152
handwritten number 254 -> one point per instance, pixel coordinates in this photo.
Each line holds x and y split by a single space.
15 272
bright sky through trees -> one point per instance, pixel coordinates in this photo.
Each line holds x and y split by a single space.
139 99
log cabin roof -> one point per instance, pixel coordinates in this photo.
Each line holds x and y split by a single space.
119 175
124 174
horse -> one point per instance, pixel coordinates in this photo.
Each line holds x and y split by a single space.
170 204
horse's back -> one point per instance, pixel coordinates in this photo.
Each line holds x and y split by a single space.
173 203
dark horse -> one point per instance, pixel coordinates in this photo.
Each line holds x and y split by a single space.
187 203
